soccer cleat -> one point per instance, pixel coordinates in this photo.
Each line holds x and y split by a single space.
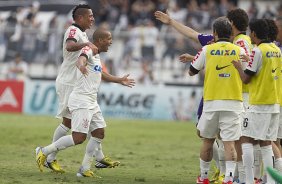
258 181
54 166
40 158
106 162
215 175
204 181
219 179
87 173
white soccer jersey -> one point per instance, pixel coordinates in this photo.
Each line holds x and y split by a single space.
67 72
84 94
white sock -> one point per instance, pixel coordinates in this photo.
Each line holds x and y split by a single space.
230 169
278 164
98 153
60 131
257 161
215 154
241 172
204 167
267 158
248 161
89 152
221 156
62 143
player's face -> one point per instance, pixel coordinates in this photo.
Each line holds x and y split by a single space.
107 42
88 19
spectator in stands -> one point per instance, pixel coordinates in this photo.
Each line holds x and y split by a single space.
149 38
17 69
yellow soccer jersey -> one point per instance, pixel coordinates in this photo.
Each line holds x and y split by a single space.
222 80
265 66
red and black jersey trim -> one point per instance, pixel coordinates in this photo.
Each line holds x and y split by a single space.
85 55
194 70
71 39
249 72
76 25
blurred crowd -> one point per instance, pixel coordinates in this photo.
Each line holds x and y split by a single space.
142 45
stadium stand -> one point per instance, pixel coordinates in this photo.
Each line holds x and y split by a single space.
35 29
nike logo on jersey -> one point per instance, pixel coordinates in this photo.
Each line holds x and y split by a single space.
221 67
273 70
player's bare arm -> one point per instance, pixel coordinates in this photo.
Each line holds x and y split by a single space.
81 65
185 58
125 80
244 77
185 30
72 46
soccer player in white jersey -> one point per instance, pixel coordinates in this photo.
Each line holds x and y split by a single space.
262 74
75 39
86 114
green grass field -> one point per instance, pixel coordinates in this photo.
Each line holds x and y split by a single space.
151 152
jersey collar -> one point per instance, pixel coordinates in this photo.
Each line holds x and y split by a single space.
76 25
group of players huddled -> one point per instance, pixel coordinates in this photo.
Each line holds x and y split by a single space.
241 97
239 117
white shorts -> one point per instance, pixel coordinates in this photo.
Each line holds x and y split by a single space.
246 106
261 126
63 92
279 135
226 123
87 120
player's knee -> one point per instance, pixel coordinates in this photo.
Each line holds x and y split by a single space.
78 138
67 122
99 133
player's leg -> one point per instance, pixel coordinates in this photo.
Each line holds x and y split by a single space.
277 155
269 123
63 93
80 127
207 130
230 131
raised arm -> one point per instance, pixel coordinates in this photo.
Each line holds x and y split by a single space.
185 30
121 80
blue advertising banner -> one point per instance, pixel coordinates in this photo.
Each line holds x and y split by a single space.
40 97
150 102
116 101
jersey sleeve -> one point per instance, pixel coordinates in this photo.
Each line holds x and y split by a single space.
204 39
255 62
199 60
244 44
86 52
73 34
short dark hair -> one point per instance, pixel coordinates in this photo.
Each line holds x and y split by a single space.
76 11
273 29
260 27
100 33
239 18
222 27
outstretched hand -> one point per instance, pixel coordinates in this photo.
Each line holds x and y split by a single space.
244 58
127 81
184 58
163 17
237 64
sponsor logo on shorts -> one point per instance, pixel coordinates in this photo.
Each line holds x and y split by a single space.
85 123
